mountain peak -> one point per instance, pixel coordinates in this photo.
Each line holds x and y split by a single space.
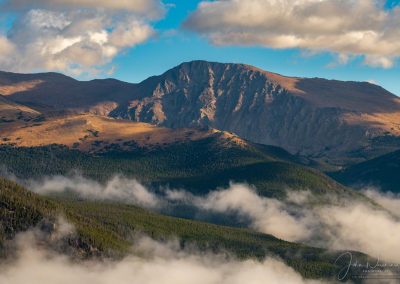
304 115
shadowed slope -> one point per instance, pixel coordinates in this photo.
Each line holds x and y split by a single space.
333 121
382 172
105 229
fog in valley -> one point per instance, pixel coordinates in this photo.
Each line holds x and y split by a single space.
335 226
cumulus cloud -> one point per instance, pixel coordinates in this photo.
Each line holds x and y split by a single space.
153 263
75 37
151 7
6 47
359 27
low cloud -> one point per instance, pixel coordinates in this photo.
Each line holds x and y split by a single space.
361 228
390 201
347 28
75 37
265 214
350 225
153 263
116 189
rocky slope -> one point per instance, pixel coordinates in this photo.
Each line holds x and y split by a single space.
340 122
317 117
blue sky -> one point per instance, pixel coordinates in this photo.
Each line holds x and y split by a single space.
173 45
162 53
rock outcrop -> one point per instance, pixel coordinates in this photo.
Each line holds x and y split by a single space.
324 119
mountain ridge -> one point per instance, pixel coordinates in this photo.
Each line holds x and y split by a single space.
382 173
329 120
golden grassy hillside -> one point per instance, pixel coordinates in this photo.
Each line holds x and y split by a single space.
93 133
10 111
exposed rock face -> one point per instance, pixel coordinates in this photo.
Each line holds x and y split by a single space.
201 93
315 117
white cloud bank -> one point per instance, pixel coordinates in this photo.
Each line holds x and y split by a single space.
347 28
351 226
75 37
265 214
361 228
388 200
155 263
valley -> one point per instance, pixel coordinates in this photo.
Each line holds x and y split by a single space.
227 158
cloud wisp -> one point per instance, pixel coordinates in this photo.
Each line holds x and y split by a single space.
346 28
344 226
153 263
75 37
116 189
388 200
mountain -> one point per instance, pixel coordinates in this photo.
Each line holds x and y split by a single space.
332 121
93 133
382 172
48 92
10 111
199 159
197 166
313 117
105 230
198 127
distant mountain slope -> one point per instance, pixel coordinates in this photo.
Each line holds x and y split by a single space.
382 172
56 92
200 159
105 229
341 122
10 111
93 133
199 166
